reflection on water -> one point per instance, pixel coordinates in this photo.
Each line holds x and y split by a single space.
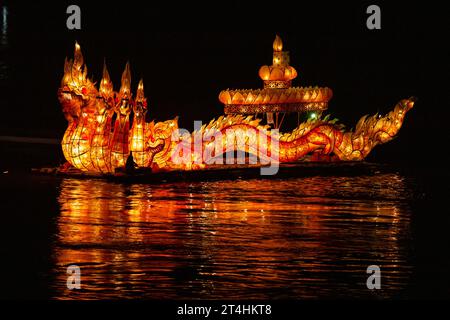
4 10
3 42
300 238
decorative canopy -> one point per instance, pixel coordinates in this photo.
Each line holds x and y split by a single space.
278 95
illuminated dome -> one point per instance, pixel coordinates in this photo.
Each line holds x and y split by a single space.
278 95
280 74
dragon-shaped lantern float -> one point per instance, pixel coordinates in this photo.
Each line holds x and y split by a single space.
107 127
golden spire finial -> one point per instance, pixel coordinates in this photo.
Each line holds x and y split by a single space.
140 96
278 44
78 57
106 86
126 82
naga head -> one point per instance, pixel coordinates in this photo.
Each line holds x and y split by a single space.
162 130
77 93
160 141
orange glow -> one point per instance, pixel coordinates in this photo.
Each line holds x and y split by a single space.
93 142
151 221
278 44
280 70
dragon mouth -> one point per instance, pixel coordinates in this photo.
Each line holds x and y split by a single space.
158 147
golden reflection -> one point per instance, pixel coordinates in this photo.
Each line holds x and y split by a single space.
298 238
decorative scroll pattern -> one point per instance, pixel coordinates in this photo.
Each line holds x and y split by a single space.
277 84
255 109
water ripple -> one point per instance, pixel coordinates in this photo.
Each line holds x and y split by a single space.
303 238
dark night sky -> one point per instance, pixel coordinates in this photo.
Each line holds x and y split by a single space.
188 54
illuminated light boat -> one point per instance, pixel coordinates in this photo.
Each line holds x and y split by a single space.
100 138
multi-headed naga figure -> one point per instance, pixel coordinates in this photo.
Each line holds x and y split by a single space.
99 139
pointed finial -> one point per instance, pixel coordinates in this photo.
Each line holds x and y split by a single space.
126 82
78 57
278 44
105 71
140 95
106 86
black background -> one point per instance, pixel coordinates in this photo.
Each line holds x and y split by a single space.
188 52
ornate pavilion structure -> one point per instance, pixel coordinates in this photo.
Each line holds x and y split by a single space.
278 98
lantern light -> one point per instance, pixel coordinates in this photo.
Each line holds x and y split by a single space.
99 138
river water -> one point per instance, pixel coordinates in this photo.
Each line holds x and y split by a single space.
298 238
309 237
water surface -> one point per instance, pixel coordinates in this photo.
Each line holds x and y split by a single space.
310 237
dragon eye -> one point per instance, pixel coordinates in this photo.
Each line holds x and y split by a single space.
84 90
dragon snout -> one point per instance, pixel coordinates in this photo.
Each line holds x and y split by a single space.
409 104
